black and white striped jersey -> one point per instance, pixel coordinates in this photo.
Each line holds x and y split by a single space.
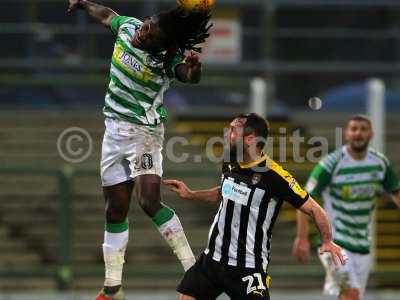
251 197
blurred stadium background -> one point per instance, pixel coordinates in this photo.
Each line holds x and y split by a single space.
53 76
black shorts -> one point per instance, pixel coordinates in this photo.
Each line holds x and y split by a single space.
208 279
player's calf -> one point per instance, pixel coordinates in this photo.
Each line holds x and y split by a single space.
167 222
116 237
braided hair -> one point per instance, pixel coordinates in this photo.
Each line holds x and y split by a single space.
184 30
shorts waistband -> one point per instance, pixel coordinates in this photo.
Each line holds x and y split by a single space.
209 258
117 123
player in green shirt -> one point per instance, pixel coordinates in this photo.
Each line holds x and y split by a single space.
148 55
349 181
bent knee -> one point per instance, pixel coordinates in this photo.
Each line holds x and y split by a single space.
150 205
116 212
115 216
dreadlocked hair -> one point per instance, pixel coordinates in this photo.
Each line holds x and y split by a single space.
184 31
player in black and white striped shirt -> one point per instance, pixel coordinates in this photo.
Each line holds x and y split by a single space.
250 196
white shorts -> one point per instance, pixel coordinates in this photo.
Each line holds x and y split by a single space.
353 275
130 150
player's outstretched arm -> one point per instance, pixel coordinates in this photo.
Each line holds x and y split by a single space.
190 70
179 187
99 13
312 208
301 245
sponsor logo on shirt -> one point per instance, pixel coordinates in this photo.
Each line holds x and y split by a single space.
235 192
292 183
256 178
295 186
140 71
129 61
362 190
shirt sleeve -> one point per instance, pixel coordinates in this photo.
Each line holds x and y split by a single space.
177 60
118 21
391 182
286 188
319 179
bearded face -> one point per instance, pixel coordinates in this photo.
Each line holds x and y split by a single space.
358 135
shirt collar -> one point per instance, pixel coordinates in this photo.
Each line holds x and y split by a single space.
254 163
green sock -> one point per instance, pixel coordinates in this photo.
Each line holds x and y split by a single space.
171 229
163 215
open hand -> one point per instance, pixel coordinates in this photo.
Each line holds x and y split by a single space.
335 251
178 187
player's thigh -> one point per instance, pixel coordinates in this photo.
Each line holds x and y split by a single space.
119 193
145 151
114 167
363 265
130 150
148 186
201 281
242 284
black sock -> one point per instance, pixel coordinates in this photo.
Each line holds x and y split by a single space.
111 290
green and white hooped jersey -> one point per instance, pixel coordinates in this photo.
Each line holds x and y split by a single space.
137 81
349 190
